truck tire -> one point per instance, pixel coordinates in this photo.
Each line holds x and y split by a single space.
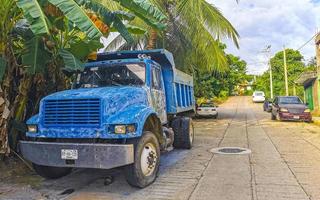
145 168
49 172
183 133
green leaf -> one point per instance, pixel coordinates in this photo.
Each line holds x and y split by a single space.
71 63
133 29
81 49
35 56
108 17
124 15
35 16
3 66
149 13
136 30
77 15
122 29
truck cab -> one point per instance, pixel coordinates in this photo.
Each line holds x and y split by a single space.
123 110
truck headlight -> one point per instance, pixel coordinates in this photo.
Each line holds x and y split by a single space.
307 110
32 128
120 129
123 129
283 110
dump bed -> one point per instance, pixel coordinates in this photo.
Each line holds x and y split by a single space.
178 85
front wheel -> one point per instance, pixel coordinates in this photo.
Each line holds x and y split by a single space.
49 172
145 168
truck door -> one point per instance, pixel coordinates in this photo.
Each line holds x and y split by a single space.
158 93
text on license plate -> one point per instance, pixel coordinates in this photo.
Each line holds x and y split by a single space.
296 117
69 154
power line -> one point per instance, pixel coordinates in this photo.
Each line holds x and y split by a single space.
307 42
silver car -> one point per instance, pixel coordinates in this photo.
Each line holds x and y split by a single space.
207 110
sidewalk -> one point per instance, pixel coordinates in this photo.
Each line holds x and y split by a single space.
316 120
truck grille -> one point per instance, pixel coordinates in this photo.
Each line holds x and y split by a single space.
72 112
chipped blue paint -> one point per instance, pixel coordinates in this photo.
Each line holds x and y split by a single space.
121 104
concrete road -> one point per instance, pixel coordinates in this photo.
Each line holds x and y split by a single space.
284 164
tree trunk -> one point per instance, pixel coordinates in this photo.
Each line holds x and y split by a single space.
152 39
18 110
6 92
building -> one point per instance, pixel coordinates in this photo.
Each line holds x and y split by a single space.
311 82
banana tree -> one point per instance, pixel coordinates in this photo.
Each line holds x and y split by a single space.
64 34
8 65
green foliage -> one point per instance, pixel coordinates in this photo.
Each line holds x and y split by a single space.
221 85
146 11
34 14
81 48
77 15
35 57
295 67
71 63
112 19
3 65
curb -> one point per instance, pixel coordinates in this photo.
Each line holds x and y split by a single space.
316 122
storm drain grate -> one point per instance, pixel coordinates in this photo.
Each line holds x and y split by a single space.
230 150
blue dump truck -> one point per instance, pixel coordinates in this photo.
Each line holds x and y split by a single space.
123 110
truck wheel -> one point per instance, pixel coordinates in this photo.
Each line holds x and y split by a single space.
51 172
183 133
145 168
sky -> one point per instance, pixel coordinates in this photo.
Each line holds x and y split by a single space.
270 22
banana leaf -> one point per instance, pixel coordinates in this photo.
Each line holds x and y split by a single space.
33 13
71 63
149 13
78 16
82 48
35 57
108 17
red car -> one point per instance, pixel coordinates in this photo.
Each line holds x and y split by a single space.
290 108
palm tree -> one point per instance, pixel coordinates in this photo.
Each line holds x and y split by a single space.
194 31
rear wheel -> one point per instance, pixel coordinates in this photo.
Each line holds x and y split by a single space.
183 133
145 168
49 172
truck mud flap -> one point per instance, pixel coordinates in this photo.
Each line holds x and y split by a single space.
101 156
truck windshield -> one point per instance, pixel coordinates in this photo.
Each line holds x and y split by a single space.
111 75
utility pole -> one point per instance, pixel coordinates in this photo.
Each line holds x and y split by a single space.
267 51
285 70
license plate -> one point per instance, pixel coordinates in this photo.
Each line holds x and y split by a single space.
296 117
206 110
69 154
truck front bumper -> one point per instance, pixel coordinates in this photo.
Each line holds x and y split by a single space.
102 156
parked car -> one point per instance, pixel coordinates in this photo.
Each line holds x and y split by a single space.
267 105
125 108
258 97
290 108
207 110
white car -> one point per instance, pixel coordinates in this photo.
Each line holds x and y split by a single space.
207 110
258 96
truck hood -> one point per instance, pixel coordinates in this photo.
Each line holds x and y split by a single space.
113 99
